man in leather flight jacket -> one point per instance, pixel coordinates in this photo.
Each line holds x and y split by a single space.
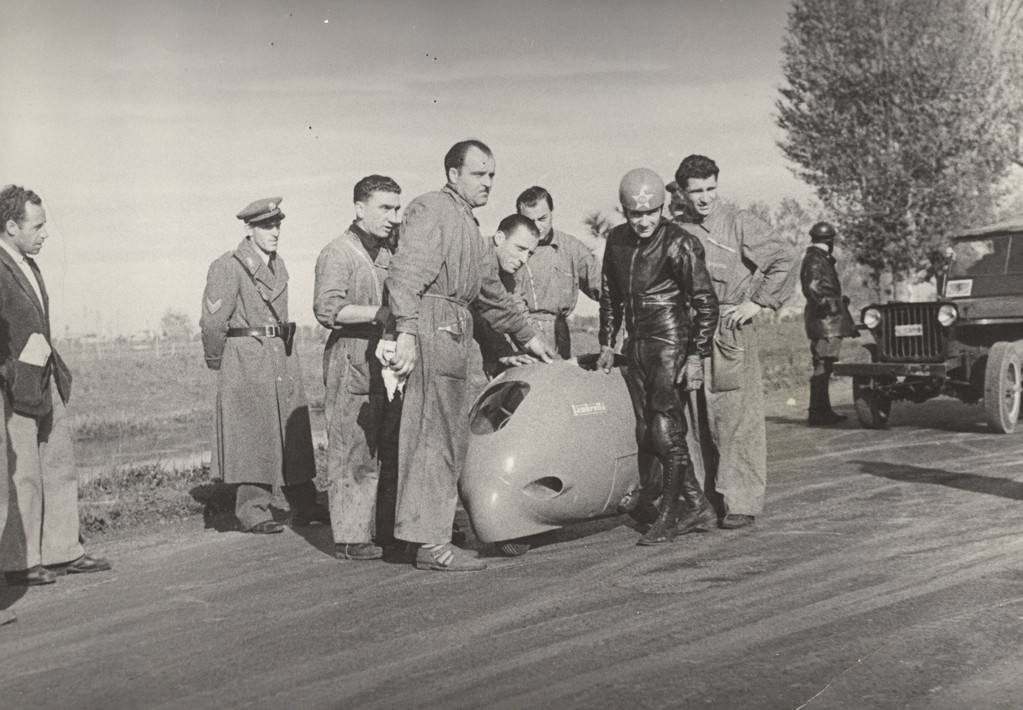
827 320
654 276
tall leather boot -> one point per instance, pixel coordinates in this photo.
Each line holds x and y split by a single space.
639 503
820 413
835 416
698 513
664 528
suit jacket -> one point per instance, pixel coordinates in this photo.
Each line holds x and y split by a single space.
27 386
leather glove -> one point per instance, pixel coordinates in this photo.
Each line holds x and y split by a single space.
606 360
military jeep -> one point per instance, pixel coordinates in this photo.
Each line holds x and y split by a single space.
968 344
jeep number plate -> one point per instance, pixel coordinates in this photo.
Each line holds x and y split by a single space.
906 331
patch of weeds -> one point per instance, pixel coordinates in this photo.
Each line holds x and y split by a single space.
91 427
140 496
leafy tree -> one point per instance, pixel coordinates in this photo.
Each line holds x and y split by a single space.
903 115
600 223
176 325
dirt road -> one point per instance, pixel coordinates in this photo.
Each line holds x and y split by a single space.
887 572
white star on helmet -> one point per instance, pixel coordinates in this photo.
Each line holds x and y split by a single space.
642 199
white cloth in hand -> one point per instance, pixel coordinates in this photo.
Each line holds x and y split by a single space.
385 354
36 351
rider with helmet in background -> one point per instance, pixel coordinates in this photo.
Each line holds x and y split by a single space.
827 320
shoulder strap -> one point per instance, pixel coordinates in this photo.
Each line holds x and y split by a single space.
266 299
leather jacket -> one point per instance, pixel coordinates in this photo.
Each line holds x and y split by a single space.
654 285
826 314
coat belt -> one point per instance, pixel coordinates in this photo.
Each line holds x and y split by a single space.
278 330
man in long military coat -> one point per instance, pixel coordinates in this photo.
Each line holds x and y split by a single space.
263 437
443 267
349 299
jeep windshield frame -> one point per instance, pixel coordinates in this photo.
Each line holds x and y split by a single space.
986 265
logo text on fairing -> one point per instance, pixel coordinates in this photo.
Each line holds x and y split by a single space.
587 408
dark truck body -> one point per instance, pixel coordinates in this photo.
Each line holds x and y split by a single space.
968 344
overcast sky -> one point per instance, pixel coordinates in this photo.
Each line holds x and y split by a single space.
146 126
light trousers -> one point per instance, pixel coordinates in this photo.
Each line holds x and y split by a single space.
40 499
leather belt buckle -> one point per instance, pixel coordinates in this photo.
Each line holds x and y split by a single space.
271 331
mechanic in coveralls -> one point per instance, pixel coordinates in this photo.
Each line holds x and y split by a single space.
560 268
653 278
752 268
349 299
827 320
514 244
443 267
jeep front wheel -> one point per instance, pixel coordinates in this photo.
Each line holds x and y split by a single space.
1002 387
872 407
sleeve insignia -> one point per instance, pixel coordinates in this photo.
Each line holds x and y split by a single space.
213 306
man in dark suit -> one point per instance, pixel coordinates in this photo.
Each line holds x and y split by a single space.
38 543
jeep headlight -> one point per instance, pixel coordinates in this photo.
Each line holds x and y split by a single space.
948 314
871 318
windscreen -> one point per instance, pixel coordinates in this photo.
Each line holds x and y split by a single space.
987 256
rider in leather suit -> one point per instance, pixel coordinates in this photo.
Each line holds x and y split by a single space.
655 279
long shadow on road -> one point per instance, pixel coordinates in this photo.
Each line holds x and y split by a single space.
1001 487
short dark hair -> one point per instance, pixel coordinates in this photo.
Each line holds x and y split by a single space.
12 203
532 195
374 183
455 157
516 221
699 167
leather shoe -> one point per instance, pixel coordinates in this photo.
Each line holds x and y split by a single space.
83 565
734 521
317 515
697 519
358 551
267 527
448 558
32 577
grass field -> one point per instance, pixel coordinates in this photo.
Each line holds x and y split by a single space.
135 405
143 421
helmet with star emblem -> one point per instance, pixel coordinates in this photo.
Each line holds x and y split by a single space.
641 190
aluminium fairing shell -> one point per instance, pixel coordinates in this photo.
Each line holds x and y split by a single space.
548 445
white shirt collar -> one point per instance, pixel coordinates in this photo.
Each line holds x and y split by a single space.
26 269
18 257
